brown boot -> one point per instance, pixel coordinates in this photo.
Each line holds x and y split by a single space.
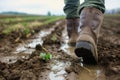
72 29
86 46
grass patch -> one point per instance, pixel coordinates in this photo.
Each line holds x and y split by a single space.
26 18
27 25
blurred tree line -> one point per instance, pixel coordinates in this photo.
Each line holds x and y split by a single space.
113 11
49 13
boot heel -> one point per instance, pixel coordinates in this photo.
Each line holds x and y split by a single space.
85 50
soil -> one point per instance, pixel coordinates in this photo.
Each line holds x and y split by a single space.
35 68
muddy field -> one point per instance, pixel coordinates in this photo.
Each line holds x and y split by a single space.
20 60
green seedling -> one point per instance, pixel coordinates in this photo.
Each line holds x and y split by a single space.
54 37
46 56
27 31
42 55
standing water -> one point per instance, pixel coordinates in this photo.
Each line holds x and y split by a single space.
29 47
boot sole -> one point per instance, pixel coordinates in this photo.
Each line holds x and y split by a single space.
85 50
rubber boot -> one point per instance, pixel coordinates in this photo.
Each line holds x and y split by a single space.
72 30
86 45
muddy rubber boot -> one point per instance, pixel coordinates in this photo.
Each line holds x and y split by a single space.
72 30
86 45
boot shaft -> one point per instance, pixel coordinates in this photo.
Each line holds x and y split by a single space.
90 22
72 26
72 30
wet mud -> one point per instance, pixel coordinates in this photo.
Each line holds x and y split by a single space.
64 65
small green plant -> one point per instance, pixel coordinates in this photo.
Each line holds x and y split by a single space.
54 37
27 31
46 56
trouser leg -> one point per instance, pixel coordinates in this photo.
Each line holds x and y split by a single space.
72 19
71 8
99 4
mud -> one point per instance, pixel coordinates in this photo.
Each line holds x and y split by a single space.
64 65
16 50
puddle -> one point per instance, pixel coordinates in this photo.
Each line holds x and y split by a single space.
8 59
65 47
58 70
29 46
91 73
13 58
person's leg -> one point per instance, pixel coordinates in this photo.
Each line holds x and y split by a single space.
91 17
71 8
72 19
99 4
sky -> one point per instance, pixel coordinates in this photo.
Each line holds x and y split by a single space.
43 6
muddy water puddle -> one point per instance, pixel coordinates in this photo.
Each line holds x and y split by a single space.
13 58
58 70
8 59
91 73
29 47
